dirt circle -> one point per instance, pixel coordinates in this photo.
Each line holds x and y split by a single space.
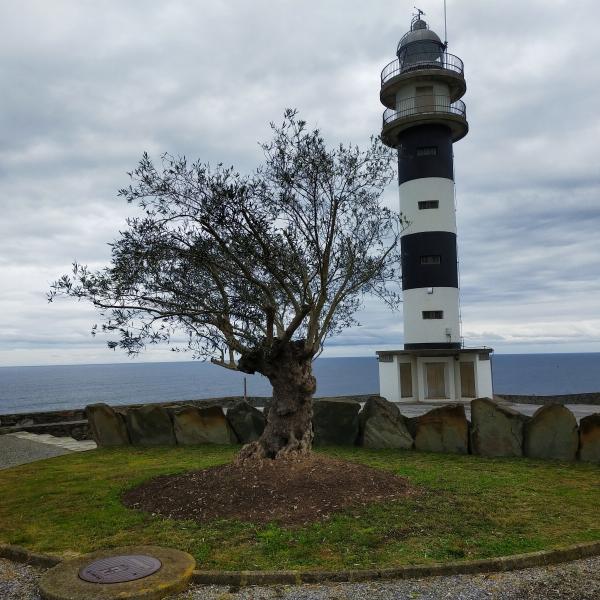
288 492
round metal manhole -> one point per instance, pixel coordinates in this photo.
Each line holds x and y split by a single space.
119 569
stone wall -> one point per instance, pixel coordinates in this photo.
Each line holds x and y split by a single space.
494 430
591 398
73 423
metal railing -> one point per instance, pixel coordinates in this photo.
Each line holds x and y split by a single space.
418 105
422 60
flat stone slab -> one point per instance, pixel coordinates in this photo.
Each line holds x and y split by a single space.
64 583
589 438
496 431
107 426
552 434
247 422
150 425
382 426
444 429
193 425
335 422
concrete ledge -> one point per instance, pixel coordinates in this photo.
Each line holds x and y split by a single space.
245 578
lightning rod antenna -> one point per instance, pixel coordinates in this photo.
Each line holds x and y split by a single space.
445 27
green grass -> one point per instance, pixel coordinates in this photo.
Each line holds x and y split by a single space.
469 507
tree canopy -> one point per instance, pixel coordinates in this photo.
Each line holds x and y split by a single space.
249 266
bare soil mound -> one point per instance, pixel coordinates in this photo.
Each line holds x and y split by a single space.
288 492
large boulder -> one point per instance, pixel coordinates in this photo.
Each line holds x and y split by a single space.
552 433
107 426
496 430
150 425
444 429
589 438
193 425
335 422
382 426
247 422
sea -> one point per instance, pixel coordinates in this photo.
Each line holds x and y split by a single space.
44 388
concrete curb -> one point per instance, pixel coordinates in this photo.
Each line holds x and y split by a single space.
245 578
490 565
21 555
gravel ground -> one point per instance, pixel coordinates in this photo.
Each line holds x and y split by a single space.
16 451
18 582
579 580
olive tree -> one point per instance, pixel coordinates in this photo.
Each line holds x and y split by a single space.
257 270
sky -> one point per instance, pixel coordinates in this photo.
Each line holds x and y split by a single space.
88 86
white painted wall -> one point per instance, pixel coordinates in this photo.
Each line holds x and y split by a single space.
389 380
426 331
405 95
431 219
483 374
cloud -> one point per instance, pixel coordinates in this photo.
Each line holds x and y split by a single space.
87 87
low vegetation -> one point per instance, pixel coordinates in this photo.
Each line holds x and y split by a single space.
468 507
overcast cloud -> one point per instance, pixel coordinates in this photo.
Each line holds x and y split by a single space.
88 86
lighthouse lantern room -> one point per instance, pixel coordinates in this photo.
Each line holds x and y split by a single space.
422 90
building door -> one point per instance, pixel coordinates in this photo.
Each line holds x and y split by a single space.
467 379
435 374
424 99
406 390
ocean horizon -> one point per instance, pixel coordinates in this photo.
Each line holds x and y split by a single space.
62 387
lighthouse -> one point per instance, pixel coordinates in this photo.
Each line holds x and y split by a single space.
424 116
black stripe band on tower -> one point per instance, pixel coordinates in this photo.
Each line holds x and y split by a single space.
425 151
429 260
436 346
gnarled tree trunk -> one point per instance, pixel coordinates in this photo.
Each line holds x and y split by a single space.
288 431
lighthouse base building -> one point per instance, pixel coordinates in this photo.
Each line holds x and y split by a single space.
424 117
435 375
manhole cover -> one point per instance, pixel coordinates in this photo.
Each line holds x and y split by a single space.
118 569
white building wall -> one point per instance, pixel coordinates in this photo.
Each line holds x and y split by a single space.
389 380
406 94
431 219
418 330
483 374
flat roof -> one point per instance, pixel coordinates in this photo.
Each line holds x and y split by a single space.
436 352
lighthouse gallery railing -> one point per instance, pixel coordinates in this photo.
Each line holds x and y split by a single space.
425 104
422 60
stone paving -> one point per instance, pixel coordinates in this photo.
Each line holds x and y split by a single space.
67 443
22 447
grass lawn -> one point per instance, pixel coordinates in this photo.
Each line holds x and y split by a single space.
469 507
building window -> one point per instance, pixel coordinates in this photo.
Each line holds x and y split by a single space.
426 204
431 259
433 314
386 358
427 151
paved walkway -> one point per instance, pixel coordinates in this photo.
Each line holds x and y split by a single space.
22 447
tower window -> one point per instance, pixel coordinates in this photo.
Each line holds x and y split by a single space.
427 151
433 314
431 259
425 204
